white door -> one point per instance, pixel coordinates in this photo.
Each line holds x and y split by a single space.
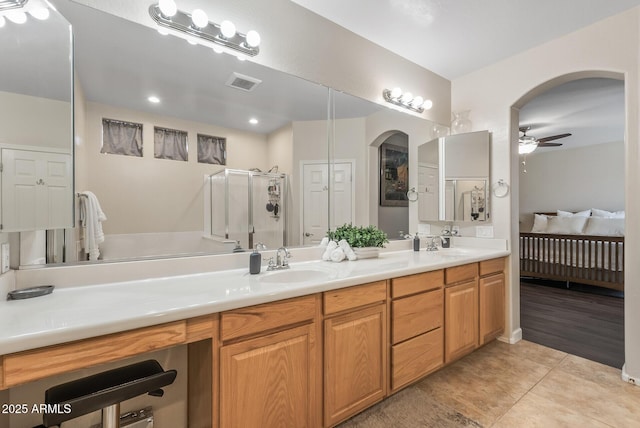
315 218
315 209
427 193
342 194
36 190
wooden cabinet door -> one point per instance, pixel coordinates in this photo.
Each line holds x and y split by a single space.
491 294
461 319
355 362
269 381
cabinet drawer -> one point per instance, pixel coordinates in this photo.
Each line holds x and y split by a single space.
417 314
354 297
488 267
456 274
412 284
39 363
256 319
415 358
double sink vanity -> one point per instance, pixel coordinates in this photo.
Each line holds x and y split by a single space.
308 346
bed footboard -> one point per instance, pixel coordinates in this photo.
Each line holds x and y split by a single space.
585 259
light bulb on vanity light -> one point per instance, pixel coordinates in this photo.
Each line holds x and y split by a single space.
228 29
407 97
253 38
199 18
396 93
417 102
17 17
40 13
168 8
427 104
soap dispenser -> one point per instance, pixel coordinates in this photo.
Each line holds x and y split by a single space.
416 242
255 259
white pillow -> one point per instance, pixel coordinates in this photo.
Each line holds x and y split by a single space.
607 214
605 226
540 223
566 225
585 213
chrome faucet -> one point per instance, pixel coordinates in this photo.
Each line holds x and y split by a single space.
281 259
432 243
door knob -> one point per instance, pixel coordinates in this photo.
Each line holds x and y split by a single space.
307 234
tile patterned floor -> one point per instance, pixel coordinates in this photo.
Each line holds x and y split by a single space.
506 386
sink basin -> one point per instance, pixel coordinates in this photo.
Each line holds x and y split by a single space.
452 252
294 275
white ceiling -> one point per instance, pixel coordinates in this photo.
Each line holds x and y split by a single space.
456 37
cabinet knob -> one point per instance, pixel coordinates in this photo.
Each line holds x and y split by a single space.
40 181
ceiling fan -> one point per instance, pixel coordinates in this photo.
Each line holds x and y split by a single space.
529 143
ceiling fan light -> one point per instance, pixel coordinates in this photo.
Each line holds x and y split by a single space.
526 148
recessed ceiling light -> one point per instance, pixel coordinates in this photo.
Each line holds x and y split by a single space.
253 121
153 99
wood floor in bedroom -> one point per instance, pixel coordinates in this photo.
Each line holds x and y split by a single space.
582 320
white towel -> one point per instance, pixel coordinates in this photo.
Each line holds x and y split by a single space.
332 245
324 242
92 216
346 248
337 255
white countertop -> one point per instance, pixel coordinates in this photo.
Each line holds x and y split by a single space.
73 313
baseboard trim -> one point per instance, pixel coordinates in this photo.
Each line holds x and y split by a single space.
626 377
515 337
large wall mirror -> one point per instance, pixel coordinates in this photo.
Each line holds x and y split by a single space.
160 203
36 137
453 178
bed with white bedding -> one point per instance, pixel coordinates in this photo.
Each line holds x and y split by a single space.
585 247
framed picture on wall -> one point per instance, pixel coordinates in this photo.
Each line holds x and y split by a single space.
394 175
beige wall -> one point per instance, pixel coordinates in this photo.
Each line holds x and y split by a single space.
572 180
34 121
157 195
609 47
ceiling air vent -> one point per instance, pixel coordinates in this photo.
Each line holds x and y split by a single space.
242 82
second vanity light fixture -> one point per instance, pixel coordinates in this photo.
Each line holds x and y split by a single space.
406 100
197 24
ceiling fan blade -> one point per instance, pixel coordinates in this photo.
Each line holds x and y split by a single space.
549 144
553 137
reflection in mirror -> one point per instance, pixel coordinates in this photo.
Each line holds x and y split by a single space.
156 206
454 177
36 121
465 200
379 151
428 181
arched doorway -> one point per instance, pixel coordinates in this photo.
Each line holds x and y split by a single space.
392 213
522 183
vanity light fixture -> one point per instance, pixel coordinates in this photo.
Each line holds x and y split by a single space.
406 100
11 4
197 24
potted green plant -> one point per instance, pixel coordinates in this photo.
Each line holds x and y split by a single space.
365 241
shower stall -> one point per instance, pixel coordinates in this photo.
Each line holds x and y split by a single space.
247 207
